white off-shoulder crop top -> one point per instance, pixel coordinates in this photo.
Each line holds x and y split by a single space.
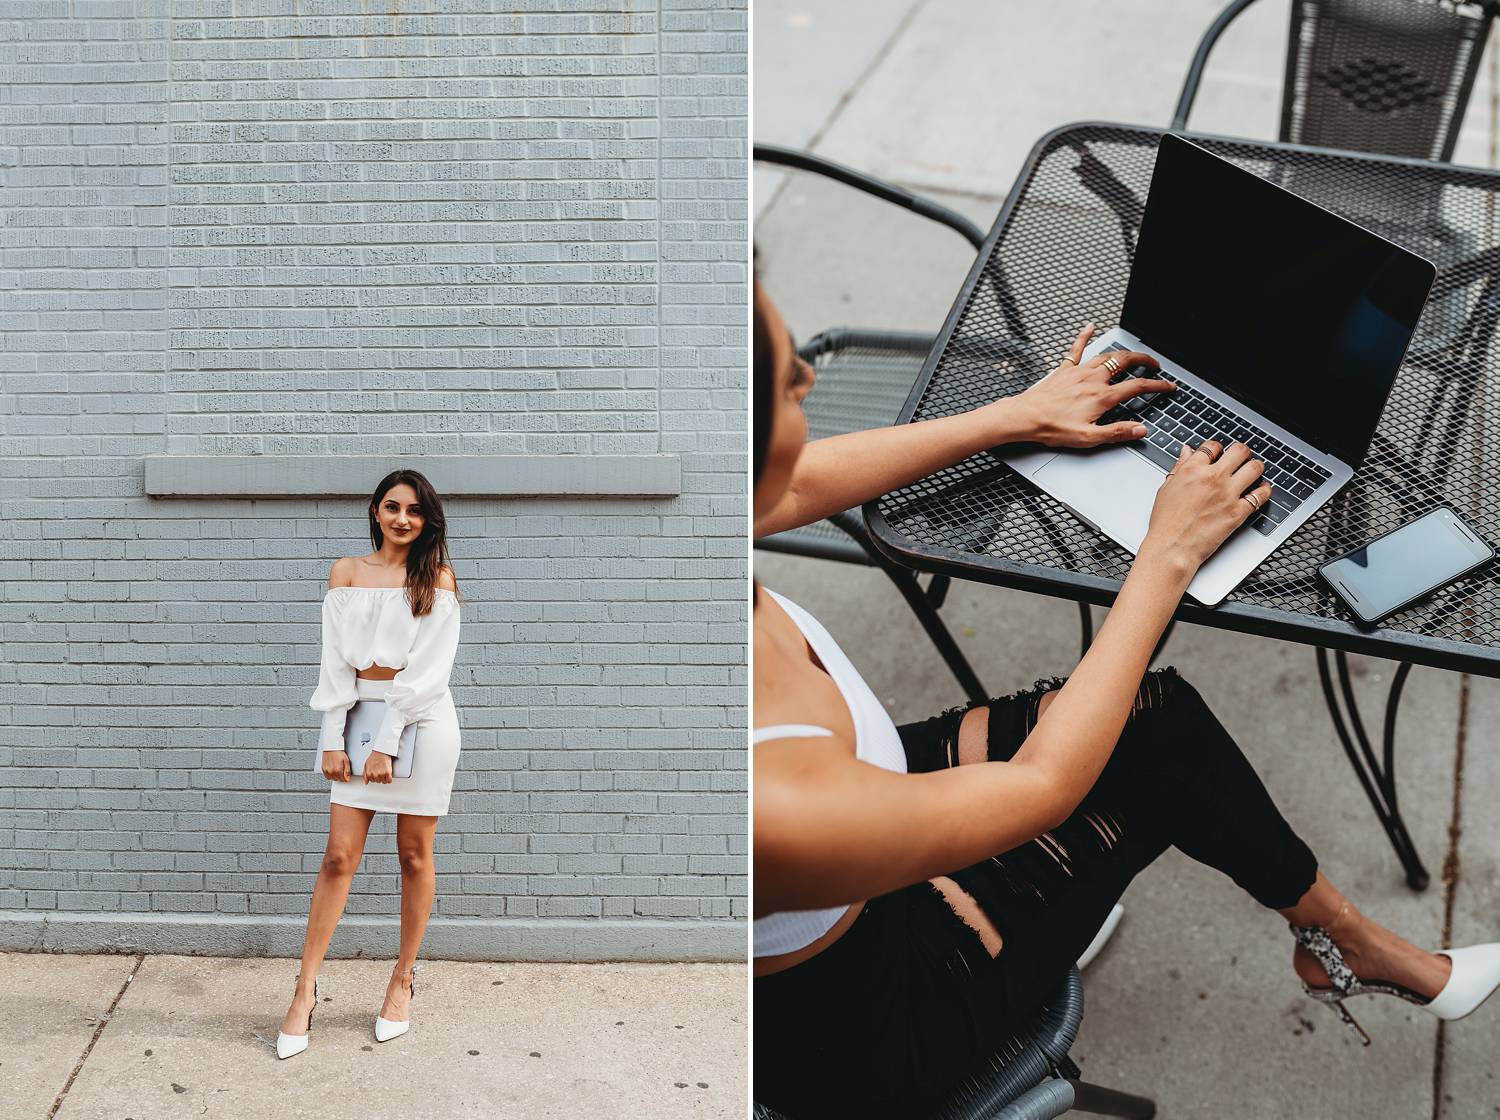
364 626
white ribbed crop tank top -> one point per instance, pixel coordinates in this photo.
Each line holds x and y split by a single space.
875 741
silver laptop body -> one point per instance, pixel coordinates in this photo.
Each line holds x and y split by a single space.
1319 313
1112 488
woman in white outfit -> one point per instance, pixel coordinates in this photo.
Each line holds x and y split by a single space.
390 632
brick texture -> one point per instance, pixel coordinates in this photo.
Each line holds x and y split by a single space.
320 227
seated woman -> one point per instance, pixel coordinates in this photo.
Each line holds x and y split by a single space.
920 891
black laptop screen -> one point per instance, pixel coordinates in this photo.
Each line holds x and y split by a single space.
1293 310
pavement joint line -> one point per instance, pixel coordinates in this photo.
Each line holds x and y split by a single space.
98 1030
846 97
1450 875
1455 823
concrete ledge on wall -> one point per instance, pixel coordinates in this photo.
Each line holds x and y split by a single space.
455 939
486 476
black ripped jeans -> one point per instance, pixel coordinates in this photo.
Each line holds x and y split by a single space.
908 1002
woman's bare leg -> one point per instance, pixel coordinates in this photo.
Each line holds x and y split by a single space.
414 848
347 829
1371 950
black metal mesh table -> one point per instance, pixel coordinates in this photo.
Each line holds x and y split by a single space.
1059 255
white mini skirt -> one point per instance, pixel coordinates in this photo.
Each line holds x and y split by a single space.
435 758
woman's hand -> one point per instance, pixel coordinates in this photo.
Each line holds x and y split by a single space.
336 766
1060 409
378 768
1203 500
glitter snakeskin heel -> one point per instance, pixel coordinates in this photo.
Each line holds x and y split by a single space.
1473 979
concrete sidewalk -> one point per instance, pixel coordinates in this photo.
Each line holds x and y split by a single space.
110 1038
1193 1002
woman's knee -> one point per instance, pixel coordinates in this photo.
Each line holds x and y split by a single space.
340 860
415 859
1166 692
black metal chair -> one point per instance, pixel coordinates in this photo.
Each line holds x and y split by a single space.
1031 1076
863 379
1388 76
1392 77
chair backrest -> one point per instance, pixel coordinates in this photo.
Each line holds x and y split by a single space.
1387 76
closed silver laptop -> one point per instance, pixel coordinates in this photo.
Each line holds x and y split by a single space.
361 727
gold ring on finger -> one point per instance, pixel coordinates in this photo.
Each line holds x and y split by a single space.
1212 456
1112 364
1252 499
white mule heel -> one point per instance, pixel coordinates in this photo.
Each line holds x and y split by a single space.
290 1045
387 1029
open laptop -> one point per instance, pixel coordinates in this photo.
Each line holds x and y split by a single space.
1283 326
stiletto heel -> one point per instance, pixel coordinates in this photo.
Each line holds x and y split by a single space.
1353 1023
1474 977
387 1029
290 1045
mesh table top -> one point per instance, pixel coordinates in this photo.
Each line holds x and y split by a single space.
1059 256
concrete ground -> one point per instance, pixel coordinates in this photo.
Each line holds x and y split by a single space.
132 1038
1193 1002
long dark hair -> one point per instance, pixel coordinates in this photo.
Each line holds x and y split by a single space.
763 391
428 554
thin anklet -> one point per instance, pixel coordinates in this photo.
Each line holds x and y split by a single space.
1337 918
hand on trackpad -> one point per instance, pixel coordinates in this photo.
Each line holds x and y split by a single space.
1116 499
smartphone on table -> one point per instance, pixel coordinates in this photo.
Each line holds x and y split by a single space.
1395 570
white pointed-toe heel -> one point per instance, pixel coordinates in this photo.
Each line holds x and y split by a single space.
1475 976
387 1029
1106 931
290 1045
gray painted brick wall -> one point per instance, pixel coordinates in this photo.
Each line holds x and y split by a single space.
332 227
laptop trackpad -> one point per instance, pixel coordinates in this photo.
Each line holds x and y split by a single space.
1111 489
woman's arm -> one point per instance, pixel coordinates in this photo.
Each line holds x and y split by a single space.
336 691
840 472
830 830
843 471
417 688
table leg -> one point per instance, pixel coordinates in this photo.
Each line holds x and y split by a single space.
1376 776
923 605
1086 625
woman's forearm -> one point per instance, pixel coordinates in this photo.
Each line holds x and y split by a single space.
840 472
1073 742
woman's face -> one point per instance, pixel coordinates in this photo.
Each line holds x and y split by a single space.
399 515
793 380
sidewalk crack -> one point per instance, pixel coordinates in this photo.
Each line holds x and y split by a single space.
848 95
98 1030
1449 877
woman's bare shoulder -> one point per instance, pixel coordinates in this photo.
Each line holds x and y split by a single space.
790 689
445 579
342 572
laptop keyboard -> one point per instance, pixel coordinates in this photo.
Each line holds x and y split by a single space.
1186 415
